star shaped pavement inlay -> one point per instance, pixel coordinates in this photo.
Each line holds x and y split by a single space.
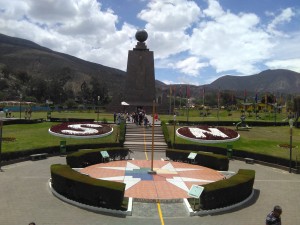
133 172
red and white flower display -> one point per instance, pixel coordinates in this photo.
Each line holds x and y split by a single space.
81 130
206 134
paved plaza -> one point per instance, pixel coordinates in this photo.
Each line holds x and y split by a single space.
25 196
172 180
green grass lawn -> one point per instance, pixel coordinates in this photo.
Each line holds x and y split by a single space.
264 140
73 114
194 115
31 136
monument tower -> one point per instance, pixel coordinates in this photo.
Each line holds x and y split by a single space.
140 80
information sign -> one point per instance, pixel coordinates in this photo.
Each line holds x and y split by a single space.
195 191
192 155
104 154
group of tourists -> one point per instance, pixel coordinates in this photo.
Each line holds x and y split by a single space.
8 113
139 117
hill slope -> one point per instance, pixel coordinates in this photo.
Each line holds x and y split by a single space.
280 80
20 55
23 55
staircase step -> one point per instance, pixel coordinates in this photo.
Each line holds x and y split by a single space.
139 139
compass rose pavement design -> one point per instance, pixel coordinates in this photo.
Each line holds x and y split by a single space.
171 181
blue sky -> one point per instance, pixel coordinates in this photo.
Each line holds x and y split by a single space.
194 42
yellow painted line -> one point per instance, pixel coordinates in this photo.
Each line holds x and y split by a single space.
145 146
160 214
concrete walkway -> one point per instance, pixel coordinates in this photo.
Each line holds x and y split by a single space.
25 197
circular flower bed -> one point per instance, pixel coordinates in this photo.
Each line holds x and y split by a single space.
81 130
286 146
206 134
8 139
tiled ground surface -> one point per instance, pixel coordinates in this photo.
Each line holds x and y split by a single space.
172 180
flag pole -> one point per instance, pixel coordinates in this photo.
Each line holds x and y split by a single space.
203 97
187 102
174 98
1 126
218 105
152 147
180 97
170 99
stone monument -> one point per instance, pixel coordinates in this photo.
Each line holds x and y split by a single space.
140 80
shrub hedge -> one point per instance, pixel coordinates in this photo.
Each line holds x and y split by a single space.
236 153
213 161
84 189
84 158
122 133
166 133
21 121
229 123
229 191
53 119
7 156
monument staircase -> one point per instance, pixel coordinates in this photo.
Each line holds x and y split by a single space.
139 138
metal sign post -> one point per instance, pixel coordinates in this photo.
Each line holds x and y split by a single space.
195 192
192 157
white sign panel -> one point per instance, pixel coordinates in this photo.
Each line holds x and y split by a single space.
192 155
195 191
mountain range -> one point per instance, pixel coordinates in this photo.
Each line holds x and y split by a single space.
280 80
23 55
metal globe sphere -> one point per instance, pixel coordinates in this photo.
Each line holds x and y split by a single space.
141 35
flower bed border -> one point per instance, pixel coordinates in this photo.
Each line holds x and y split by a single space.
206 141
81 136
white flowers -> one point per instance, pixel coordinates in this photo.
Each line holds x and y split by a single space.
206 134
200 133
80 130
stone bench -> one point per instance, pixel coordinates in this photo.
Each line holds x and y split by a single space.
39 156
249 160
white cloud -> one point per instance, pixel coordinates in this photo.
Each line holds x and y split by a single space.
168 82
167 22
214 9
190 66
229 41
285 16
78 28
290 64
184 37
169 16
49 11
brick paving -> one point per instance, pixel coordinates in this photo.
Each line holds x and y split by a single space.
171 181
25 197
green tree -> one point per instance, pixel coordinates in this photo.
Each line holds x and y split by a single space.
85 93
227 98
70 103
101 90
6 71
296 107
271 99
3 85
37 88
22 76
